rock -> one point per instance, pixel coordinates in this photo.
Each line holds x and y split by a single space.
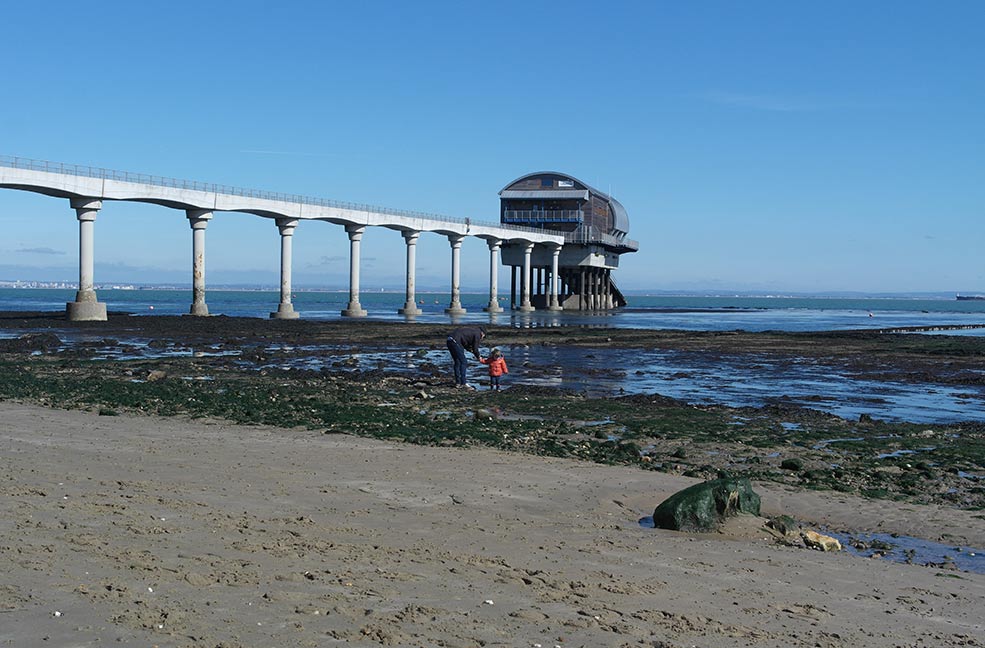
815 540
703 507
422 395
483 414
791 464
783 525
155 375
31 342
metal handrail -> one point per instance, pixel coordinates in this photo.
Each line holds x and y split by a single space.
194 185
588 234
564 215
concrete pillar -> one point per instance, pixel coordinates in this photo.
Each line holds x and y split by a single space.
582 291
285 310
410 304
513 287
355 233
525 304
493 306
199 220
590 288
455 307
597 281
553 303
607 282
86 308
595 288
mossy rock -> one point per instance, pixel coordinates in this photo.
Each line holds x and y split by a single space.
791 464
703 507
784 525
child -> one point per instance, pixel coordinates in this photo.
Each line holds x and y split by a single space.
497 367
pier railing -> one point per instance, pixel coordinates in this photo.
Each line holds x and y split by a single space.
589 234
194 185
544 215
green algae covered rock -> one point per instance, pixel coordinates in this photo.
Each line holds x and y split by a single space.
703 507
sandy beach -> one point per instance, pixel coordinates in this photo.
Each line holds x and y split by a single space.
142 531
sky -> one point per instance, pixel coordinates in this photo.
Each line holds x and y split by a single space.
757 146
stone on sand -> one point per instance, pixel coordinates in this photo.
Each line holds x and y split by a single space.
703 507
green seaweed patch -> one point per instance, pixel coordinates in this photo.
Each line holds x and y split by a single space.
652 432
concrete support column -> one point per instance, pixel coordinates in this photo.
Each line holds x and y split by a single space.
199 220
553 303
285 310
598 289
590 281
410 304
354 309
595 289
609 301
513 287
86 308
493 306
525 304
586 288
455 307
582 290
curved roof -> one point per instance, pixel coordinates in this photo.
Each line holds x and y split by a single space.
620 219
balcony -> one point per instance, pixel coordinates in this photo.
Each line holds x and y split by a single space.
542 216
590 235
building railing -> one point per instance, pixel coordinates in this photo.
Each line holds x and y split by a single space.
544 215
589 234
193 185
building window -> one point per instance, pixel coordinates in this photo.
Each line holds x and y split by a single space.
546 182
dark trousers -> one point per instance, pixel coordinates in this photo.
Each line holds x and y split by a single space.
458 358
494 381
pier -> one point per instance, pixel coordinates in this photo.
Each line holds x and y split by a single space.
87 188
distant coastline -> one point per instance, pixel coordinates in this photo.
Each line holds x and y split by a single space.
473 290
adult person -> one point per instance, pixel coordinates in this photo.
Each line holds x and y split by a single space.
465 338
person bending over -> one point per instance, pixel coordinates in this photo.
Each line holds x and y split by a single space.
460 340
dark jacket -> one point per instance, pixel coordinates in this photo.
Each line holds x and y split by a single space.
469 337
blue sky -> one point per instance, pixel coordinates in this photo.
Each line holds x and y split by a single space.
769 146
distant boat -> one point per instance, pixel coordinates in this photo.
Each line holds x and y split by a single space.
970 297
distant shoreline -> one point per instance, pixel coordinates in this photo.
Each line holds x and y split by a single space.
697 294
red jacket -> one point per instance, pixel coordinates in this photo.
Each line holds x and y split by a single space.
497 366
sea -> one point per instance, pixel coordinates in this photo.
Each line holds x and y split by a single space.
736 380
686 312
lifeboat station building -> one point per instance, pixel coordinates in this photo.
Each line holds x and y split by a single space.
594 226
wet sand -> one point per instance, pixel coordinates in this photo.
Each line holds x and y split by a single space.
141 531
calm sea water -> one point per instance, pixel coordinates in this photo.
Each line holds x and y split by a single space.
658 312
